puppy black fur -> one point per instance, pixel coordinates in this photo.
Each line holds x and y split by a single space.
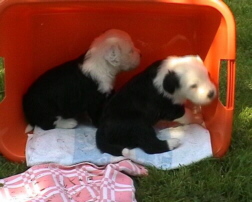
63 91
128 118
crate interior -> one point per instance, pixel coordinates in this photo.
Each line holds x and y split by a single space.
37 36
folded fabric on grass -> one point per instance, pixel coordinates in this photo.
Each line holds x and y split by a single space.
82 182
72 146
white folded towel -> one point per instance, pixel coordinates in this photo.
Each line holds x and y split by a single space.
72 146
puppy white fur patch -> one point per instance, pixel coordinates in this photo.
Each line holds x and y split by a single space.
114 50
172 143
65 123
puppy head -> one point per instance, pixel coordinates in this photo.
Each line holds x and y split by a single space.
117 49
185 78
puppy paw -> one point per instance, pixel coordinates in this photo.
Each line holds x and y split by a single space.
29 128
190 117
65 123
173 143
70 123
128 153
197 119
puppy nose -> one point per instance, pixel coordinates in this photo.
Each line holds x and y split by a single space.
210 95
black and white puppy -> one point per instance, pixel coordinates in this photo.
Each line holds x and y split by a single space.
158 93
62 94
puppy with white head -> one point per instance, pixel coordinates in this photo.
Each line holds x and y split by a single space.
81 86
188 79
108 55
158 93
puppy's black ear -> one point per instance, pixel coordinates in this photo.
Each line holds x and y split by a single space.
171 82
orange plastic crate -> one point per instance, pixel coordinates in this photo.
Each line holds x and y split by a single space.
36 35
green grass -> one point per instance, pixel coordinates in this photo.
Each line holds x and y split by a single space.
226 179
9 168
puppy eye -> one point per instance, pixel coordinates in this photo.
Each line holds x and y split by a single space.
194 86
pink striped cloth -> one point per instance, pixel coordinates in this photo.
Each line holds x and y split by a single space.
82 182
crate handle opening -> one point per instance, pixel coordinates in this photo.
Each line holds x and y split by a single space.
227 83
2 79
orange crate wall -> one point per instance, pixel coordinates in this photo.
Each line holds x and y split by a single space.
36 37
